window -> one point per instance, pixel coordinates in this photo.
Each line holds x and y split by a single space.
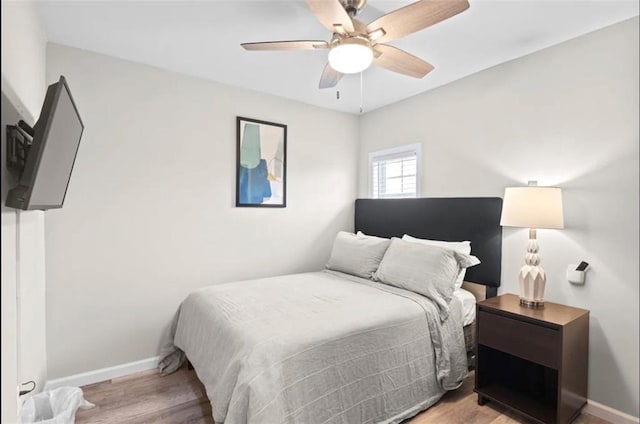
395 172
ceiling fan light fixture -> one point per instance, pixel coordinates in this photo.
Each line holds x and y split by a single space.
351 55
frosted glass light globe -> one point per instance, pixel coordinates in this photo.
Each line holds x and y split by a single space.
350 56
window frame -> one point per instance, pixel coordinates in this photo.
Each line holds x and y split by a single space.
415 148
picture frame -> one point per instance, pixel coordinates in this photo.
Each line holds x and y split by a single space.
261 163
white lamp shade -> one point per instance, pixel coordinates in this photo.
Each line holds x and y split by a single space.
532 207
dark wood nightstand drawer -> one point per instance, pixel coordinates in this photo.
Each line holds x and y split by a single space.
526 340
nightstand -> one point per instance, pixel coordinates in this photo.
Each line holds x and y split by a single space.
532 361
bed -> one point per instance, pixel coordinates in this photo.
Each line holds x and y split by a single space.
449 219
468 301
331 347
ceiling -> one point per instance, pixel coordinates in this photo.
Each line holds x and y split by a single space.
202 38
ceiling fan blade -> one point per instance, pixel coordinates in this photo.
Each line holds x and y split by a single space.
287 45
332 15
330 77
399 61
414 17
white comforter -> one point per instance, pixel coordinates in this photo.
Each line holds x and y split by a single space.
319 347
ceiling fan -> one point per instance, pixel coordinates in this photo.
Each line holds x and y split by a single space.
354 45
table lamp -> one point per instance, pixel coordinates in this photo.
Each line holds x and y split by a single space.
532 207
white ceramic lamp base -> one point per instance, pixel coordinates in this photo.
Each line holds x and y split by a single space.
532 277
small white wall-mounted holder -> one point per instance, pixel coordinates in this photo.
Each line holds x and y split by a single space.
575 273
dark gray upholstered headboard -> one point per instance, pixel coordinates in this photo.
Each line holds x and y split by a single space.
476 219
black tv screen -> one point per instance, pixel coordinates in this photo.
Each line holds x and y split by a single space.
49 162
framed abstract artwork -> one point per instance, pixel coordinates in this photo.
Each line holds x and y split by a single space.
261 164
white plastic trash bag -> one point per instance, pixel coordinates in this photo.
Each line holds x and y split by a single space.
57 406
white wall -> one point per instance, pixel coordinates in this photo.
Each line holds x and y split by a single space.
23 326
9 283
565 116
149 214
24 54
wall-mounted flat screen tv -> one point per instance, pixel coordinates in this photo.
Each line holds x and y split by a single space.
51 154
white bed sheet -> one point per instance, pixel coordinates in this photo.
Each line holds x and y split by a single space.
468 301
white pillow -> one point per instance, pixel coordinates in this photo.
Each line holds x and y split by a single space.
458 246
357 255
361 234
424 269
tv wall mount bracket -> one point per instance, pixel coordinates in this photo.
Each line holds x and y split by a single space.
19 141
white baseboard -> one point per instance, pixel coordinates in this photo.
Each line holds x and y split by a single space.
609 414
103 374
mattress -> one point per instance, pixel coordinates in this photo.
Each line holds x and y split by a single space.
468 301
320 347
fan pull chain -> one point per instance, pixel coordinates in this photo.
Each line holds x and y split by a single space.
361 95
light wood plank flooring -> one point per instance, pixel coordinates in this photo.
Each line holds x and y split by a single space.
180 398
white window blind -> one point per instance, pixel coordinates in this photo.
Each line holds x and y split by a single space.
395 172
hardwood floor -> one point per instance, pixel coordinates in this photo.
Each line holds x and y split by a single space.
180 398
